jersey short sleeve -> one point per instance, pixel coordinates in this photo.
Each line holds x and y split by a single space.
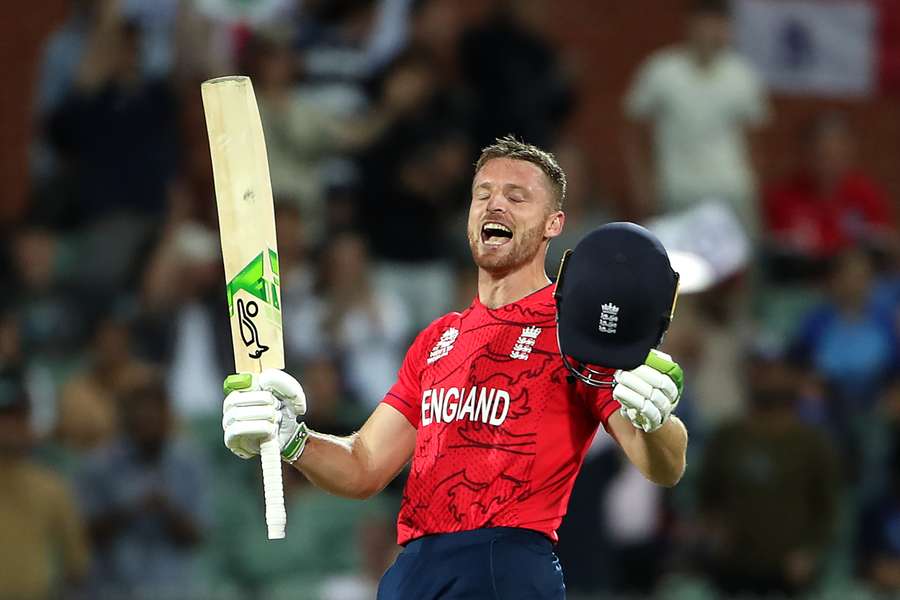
600 402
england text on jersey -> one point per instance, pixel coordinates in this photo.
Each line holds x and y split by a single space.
483 405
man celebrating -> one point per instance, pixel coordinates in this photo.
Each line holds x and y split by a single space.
495 423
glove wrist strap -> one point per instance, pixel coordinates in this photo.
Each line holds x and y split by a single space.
294 448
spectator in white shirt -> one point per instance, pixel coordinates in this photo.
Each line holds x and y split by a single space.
697 101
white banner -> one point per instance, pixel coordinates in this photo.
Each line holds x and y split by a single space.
820 47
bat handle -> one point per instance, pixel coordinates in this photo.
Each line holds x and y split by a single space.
273 486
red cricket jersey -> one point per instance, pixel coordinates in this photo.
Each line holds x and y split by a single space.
502 429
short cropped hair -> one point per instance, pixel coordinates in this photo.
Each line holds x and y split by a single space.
510 147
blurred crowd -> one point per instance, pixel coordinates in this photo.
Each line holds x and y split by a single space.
113 343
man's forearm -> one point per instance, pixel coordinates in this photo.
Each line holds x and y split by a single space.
338 465
666 452
660 455
360 465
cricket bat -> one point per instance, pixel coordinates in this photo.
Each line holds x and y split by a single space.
247 229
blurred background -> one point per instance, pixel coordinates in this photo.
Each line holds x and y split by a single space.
759 139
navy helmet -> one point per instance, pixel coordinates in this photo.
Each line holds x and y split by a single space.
615 297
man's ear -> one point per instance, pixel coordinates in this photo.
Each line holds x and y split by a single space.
554 224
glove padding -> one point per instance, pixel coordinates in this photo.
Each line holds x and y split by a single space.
649 393
258 407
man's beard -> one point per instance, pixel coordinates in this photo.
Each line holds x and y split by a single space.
517 252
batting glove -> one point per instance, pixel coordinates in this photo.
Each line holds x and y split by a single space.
263 406
649 393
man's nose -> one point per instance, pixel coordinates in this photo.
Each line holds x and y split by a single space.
496 203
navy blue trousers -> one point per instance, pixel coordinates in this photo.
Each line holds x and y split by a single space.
492 564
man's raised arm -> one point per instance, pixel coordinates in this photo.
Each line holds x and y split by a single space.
357 466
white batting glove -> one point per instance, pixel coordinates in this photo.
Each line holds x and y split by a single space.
259 407
649 393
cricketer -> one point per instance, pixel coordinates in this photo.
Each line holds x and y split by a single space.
493 417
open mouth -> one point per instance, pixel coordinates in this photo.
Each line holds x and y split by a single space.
495 234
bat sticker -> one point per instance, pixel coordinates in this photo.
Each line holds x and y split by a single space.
259 280
249 333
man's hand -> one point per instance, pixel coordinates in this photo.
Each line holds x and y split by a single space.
649 393
258 407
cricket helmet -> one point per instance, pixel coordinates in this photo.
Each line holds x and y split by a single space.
615 297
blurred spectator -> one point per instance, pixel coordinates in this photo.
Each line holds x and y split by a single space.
115 129
297 271
417 175
887 289
709 333
10 344
829 204
43 306
88 413
584 208
849 341
63 52
37 377
515 75
633 519
698 99
159 22
350 316
331 410
43 548
436 26
183 300
768 491
377 547
301 133
879 535
321 541
66 47
145 500
352 39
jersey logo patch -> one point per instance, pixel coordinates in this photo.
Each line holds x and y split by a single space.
609 318
444 345
522 349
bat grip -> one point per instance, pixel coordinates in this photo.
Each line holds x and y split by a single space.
273 487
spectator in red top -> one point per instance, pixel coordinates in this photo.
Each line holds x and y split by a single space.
829 203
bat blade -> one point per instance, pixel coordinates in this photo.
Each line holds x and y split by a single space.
249 249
